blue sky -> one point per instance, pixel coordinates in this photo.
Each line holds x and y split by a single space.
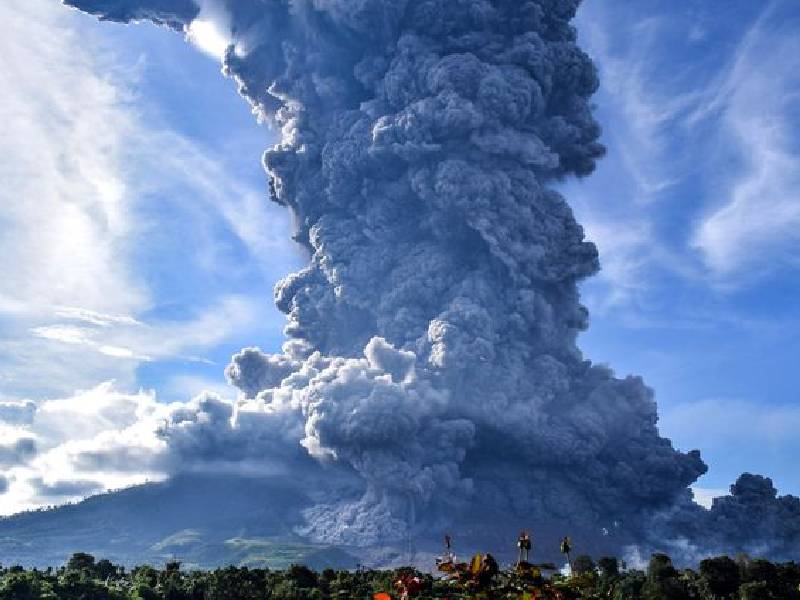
128 278
696 212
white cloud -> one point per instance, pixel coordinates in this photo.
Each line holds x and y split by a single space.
754 223
64 197
102 438
702 180
626 252
644 107
211 30
93 317
62 333
119 352
640 107
158 339
67 428
92 176
705 496
87 182
65 124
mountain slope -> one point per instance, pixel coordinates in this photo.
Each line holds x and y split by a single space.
204 521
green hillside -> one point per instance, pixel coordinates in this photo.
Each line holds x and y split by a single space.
204 522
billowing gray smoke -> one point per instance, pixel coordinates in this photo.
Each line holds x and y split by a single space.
432 355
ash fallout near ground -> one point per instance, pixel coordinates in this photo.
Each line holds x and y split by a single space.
431 378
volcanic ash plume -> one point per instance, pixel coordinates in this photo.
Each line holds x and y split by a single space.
432 360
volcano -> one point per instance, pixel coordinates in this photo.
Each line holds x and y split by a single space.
203 521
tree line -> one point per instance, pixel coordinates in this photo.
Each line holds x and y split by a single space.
721 578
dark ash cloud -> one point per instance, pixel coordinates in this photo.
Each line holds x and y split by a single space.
432 354
172 13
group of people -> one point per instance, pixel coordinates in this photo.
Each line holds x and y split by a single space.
481 573
448 562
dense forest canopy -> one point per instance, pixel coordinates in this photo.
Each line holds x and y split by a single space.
85 578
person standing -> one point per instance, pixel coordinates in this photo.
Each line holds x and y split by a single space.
524 544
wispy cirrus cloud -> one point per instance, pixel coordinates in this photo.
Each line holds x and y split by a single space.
93 317
159 339
700 186
694 211
65 199
643 101
125 245
641 104
65 196
753 223
124 241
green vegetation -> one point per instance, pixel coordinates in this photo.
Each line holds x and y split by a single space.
85 578
207 521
